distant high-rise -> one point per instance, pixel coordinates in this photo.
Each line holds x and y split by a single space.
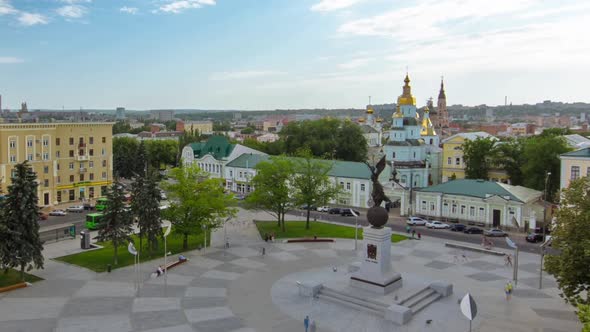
162 115
120 113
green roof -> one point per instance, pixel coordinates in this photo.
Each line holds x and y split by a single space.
341 169
583 153
473 188
217 146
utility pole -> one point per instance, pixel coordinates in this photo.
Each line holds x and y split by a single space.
544 230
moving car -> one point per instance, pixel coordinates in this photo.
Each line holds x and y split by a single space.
305 207
323 209
334 211
416 221
457 228
473 230
495 232
43 215
76 208
437 225
534 237
349 212
57 213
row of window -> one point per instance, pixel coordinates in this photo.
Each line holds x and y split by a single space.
45 141
348 186
459 209
211 168
45 155
575 172
457 161
72 193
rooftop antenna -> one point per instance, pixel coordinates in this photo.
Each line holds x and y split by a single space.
369 100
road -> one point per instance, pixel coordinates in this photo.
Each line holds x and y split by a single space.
77 219
398 224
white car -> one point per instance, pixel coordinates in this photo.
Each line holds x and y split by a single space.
57 213
437 225
323 208
76 208
416 221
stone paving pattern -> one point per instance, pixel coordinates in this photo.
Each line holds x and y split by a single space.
232 290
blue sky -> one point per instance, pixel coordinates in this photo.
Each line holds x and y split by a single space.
266 54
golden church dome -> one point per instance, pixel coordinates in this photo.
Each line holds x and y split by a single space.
406 98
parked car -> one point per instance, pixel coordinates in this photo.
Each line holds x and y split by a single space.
495 232
457 228
534 237
323 209
416 221
76 208
57 213
334 211
43 216
473 230
305 207
349 212
437 225
88 206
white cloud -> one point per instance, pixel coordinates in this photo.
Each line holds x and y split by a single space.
178 6
72 11
355 63
332 5
72 2
30 19
129 10
6 8
248 74
9 60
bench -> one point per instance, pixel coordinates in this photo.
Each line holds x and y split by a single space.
309 240
174 264
472 248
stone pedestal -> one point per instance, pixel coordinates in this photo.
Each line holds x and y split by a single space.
375 273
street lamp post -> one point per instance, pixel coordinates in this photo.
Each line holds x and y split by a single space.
356 228
166 233
204 228
544 230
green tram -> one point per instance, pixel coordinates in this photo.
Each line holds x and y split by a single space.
93 219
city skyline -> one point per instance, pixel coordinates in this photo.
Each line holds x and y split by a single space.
208 54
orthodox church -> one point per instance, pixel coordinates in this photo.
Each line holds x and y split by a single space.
372 127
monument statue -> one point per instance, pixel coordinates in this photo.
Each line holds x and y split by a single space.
377 215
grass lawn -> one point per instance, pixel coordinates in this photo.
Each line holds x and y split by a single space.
296 229
13 277
97 260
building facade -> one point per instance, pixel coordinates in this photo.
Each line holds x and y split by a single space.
574 165
73 161
486 203
202 127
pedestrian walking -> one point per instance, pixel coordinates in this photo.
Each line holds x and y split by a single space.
508 260
413 233
408 229
306 323
508 290
312 327
263 251
419 236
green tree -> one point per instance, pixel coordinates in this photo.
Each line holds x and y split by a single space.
121 127
477 155
247 131
541 155
352 145
21 246
146 210
584 316
571 235
161 153
117 221
311 182
555 132
221 126
509 157
124 152
141 162
272 192
196 200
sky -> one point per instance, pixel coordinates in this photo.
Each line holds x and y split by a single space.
268 54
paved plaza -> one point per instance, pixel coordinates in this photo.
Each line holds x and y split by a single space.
238 289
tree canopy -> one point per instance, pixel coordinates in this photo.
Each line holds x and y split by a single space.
117 221
477 155
145 207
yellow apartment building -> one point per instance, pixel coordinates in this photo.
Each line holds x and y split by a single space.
453 165
73 161
203 127
574 165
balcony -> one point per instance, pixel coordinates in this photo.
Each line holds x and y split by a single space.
83 170
82 145
81 158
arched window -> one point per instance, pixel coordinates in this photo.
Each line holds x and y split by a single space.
404 178
431 140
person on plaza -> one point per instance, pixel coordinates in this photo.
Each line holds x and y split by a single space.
408 229
263 251
306 323
159 271
508 259
312 326
419 236
413 233
508 290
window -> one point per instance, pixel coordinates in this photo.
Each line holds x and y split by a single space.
45 155
457 161
71 178
71 141
57 154
71 165
431 206
91 164
481 212
104 139
231 174
91 140
46 142
104 163
12 158
575 172
347 185
59 196
91 176
462 209
71 153
241 174
29 143
12 144
341 184
454 208
362 187
446 208
58 180
57 141
104 175
472 211
45 183
104 151
81 177
30 157
91 192
404 178
72 195
81 140
57 165
449 161
423 205
81 152
414 154
81 165
91 152
45 169
393 155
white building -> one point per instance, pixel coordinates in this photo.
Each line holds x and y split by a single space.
212 155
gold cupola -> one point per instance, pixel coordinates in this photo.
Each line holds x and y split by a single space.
398 112
406 98
370 109
427 127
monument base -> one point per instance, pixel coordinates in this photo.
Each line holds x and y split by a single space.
385 284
